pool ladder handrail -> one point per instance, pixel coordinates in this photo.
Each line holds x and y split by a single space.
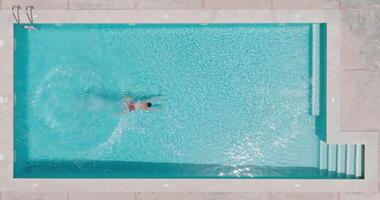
29 15
16 13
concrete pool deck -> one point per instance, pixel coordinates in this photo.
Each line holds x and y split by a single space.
360 78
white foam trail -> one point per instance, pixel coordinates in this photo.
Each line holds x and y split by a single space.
105 148
46 83
116 133
57 78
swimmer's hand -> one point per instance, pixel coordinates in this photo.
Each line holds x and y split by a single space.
153 109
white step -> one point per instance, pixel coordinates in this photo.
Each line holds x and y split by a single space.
341 162
359 161
332 158
350 160
315 65
323 155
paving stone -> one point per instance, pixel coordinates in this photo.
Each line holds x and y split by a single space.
168 196
233 196
38 4
101 4
318 4
360 100
169 4
237 4
360 42
359 196
360 4
33 196
352 49
101 196
305 4
303 196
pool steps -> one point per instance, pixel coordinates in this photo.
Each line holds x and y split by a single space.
323 156
341 160
332 158
358 165
335 160
350 169
315 65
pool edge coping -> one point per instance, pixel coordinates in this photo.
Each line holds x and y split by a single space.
335 135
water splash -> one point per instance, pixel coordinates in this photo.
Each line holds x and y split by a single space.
104 149
74 117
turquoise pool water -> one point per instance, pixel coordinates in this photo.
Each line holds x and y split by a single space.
234 100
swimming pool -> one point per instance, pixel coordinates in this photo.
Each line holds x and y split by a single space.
234 101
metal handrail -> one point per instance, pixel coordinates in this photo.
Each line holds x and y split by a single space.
17 14
30 16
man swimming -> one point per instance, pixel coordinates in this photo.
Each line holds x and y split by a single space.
130 105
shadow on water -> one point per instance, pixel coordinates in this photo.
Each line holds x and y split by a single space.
21 107
109 95
117 96
321 123
125 169
141 97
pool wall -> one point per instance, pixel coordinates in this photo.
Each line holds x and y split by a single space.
333 136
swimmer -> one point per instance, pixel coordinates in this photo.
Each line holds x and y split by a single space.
130 105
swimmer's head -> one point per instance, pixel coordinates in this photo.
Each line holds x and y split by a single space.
149 104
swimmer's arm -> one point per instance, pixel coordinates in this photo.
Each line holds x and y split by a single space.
152 99
127 99
153 108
